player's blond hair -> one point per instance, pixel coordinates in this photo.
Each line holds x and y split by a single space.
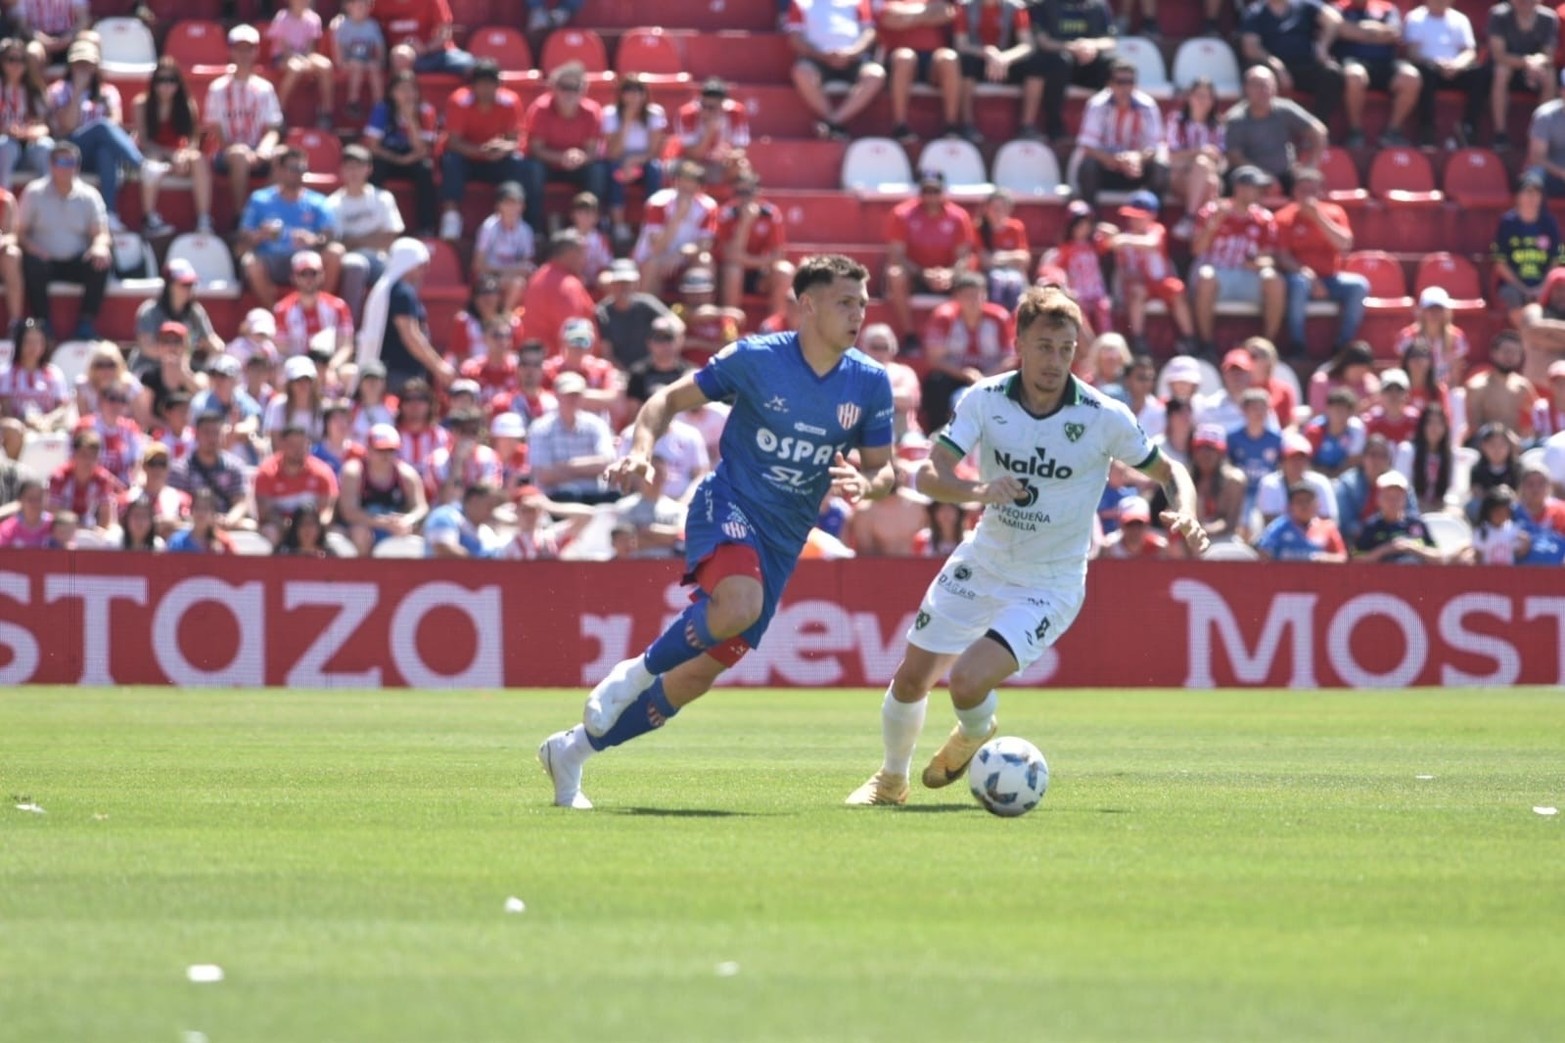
1050 305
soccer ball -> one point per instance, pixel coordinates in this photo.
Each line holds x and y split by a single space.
1008 776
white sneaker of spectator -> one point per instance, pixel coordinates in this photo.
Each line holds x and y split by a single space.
451 225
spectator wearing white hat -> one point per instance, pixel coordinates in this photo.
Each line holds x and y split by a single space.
570 447
1394 417
1182 375
257 340
243 114
177 303
626 315
508 439
1391 534
605 391
299 403
381 495
1271 496
1447 344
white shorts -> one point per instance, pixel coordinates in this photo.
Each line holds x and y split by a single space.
966 601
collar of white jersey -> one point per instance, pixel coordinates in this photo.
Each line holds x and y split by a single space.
1073 396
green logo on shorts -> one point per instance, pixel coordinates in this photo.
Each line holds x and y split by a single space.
1075 431
921 621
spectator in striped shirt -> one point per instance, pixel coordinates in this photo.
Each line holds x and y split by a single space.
1120 146
1194 138
243 113
83 485
504 248
33 392
24 130
310 313
210 468
51 24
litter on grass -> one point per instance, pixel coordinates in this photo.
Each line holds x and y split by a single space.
727 969
193 1036
1423 778
1546 811
515 905
29 806
204 973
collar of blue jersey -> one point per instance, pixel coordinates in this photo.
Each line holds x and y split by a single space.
1071 397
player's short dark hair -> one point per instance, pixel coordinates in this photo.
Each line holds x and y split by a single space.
1342 397
825 269
1049 305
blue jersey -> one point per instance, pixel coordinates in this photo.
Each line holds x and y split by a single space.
1256 457
1548 546
787 424
308 212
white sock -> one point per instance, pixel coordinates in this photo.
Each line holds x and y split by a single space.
975 723
577 748
640 675
900 724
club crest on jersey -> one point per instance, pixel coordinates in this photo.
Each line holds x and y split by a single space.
1075 431
848 414
736 529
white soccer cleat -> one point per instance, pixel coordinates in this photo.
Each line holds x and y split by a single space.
564 771
618 690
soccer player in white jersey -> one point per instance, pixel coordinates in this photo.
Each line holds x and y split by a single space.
1044 442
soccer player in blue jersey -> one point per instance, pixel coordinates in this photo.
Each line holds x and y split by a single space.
801 402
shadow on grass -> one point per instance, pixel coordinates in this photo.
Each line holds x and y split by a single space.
935 809
683 812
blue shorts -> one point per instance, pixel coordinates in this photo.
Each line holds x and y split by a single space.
715 519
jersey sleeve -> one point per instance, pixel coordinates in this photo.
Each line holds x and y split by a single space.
1126 441
726 375
881 412
966 427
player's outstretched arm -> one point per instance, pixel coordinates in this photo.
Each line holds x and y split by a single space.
651 424
937 479
1182 514
875 478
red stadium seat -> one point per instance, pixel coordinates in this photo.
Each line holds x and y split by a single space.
653 53
1342 176
1387 284
445 280
1476 177
466 14
1405 176
323 150
576 45
200 47
1456 275
509 49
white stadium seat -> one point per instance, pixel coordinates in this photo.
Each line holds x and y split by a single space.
1451 534
1230 550
1151 73
72 358
250 544
877 167
340 545
43 454
127 47
213 264
1209 57
1029 170
400 547
960 162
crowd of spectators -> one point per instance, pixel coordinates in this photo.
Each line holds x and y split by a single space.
337 418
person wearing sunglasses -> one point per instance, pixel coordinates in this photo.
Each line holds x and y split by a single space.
167 127
482 143
243 114
283 219
63 229
714 131
564 133
1120 146
24 130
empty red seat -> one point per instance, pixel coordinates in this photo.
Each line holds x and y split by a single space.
469 13
1387 284
508 48
1477 177
1404 175
1456 275
653 53
445 279
323 151
576 45
199 46
1342 176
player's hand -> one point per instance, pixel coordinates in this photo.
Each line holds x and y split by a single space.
1000 492
846 480
623 473
1187 526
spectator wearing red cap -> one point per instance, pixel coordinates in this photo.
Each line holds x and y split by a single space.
1235 245
289 479
1135 538
177 303
1271 498
382 495
1222 407
1219 485
929 241
164 371
82 485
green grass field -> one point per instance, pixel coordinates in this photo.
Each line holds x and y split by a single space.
1207 867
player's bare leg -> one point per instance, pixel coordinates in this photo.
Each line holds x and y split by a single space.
977 673
901 720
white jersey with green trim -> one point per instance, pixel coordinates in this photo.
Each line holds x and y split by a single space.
1061 459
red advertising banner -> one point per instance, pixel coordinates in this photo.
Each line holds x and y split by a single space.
102 618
